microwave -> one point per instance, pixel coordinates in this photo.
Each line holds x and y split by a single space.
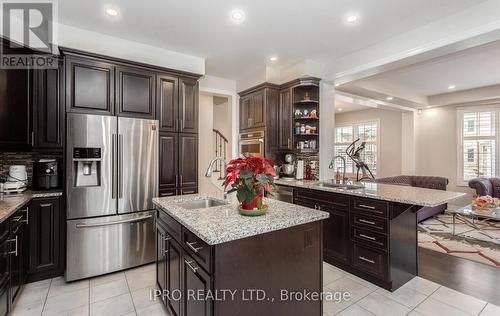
252 143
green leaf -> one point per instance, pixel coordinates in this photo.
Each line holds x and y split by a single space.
259 204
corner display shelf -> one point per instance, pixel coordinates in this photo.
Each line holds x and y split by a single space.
305 97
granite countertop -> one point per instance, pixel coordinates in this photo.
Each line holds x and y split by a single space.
221 224
386 192
10 203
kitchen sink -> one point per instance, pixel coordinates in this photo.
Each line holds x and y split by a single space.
342 186
199 204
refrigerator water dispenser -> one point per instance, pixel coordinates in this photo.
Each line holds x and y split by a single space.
87 167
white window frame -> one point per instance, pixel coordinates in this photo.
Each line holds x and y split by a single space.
354 124
460 139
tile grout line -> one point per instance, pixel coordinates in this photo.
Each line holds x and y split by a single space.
428 296
483 308
130 293
46 296
446 303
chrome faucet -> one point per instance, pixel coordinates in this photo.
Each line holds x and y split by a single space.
332 164
210 170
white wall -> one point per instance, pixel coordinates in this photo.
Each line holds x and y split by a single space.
76 38
390 137
436 145
222 122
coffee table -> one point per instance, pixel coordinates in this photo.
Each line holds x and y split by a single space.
473 216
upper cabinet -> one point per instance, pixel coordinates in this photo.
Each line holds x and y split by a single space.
48 118
89 86
257 105
188 105
167 102
285 120
135 92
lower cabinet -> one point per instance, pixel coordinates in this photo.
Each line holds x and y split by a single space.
179 275
371 238
46 239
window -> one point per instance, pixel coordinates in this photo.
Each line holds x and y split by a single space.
478 139
345 134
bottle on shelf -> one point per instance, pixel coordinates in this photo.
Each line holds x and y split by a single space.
337 176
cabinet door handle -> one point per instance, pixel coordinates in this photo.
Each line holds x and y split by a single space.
189 264
13 252
366 236
27 216
176 180
180 180
367 260
167 194
366 222
176 125
182 124
288 143
32 141
189 192
193 248
367 206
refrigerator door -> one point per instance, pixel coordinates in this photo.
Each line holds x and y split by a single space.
111 243
137 164
90 165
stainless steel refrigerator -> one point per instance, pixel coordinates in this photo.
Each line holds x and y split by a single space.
112 176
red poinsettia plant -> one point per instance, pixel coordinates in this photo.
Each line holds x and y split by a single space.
250 177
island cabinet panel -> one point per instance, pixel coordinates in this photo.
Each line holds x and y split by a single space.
289 259
373 239
195 281
175 276
135 92
161 259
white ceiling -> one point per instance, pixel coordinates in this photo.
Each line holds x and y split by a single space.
468 69
293 30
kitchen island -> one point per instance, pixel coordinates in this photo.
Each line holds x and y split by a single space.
371 231
213 261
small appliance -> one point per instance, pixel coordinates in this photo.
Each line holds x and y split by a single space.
17 181
299 173
46 174
252 144
288 168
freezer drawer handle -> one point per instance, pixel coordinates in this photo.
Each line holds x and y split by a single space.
193 248
367 237
189 264
366 222
367 206
139 219
367 260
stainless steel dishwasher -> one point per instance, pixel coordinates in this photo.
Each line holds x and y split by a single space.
283 193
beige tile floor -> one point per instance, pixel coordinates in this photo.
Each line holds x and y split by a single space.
128 293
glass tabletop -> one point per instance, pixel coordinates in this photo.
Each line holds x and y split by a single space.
468 210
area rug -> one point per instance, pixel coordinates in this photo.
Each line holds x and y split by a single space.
436 234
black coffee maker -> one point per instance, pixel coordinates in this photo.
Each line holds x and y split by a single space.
46 174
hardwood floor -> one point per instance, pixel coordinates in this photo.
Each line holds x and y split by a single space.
466 276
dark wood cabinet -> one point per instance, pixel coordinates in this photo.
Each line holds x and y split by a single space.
135 92
48 117
258 109
46 239
285 120
167 100
169 149
188 160
161 259
253 109
370 238
17 252
336 242
174 269
16 130
245 115
195 280
188 105
90 86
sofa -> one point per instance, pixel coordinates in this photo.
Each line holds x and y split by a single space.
486 186
428 182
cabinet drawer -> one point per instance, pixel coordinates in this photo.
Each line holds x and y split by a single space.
320 197
373 207
197 248
369 237
184 191
370 261
172 226
375 223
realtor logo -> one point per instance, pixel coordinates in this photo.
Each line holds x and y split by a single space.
29 27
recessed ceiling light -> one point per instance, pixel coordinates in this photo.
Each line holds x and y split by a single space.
428 106
111 12
389 98
237 16
339 109
451 87
337 84
273 58
351 18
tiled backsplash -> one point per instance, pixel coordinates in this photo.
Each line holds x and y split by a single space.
308 159
8 159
